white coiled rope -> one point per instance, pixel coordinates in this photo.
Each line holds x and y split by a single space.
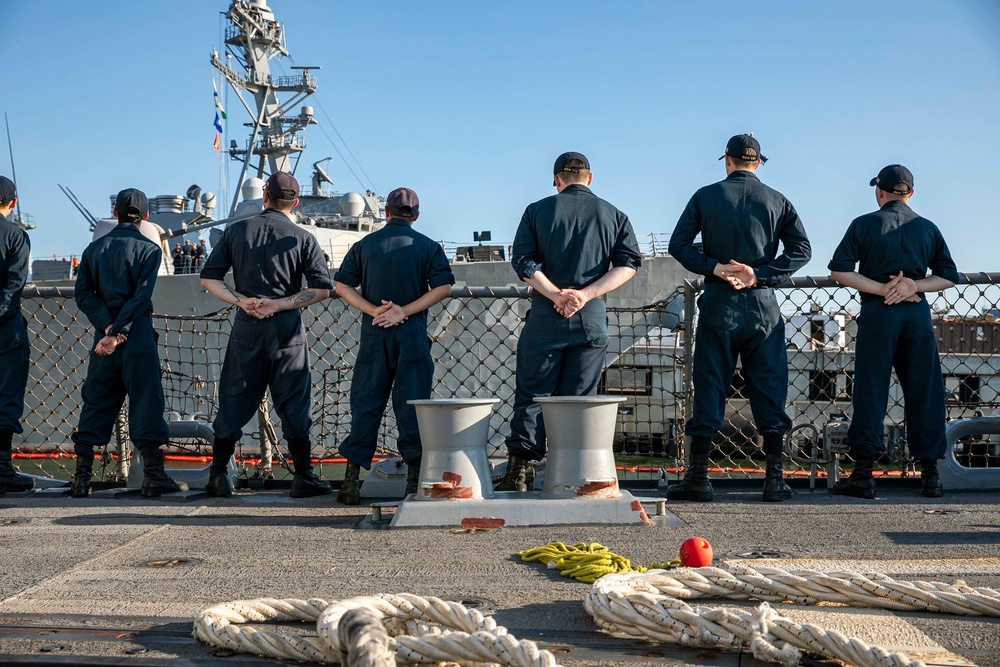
385 630
650 605
376 631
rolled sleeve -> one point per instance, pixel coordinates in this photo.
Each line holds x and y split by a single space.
440 270
314 267
219 261
845 257
524 257
626 249
941 264
349 272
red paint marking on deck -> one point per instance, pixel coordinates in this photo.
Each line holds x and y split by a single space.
637 507
482 522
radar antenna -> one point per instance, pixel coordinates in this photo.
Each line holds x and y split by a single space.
320 176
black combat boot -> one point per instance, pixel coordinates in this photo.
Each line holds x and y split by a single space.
775 489
516 476
412 478
930 480
350 490
219 484
10 479
305 483
695 485
155 480
80 485
860 484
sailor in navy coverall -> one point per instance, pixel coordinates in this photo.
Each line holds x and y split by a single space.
270 257
741 222
114 289
401 273
14 348
572 248
893 248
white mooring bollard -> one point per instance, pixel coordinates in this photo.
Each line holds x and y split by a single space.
454 434
955 476
580 431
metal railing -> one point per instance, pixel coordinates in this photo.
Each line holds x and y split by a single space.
474 337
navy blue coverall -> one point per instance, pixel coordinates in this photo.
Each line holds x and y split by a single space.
744 220
898 336
14 348
270 257
400 265
114 287
574 238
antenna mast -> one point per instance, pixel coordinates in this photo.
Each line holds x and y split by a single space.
13 172
253 38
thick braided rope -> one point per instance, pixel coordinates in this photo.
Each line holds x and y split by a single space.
650 605
740 581
423 630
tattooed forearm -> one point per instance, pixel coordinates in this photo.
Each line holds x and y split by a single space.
303 298
234 294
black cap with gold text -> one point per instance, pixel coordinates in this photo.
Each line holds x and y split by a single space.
744 147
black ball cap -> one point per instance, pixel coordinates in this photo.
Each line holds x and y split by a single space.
744 147
563 163
895 178
402 202
282 185
131 205
7 190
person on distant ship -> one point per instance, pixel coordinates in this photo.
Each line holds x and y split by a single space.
572 248
15 248
741 222
200 254
401 273
894 247
114 289
178 259
270 258
189 257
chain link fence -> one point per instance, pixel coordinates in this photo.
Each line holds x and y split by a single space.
474 338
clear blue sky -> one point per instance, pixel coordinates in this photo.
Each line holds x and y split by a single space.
468 103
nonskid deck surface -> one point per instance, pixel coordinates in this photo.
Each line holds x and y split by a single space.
111 582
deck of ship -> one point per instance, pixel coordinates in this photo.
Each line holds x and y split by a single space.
76 587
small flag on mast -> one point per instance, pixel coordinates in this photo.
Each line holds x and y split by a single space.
218 104
220 115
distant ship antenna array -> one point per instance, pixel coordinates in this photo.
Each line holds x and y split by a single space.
253 38
13 173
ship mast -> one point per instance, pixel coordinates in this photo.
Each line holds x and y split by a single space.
253 38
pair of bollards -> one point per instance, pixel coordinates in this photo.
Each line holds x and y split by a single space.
580 432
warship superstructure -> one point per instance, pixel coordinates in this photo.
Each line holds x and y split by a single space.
253 38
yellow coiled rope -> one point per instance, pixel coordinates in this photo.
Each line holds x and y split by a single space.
586 562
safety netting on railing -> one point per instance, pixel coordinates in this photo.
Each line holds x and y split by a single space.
474 339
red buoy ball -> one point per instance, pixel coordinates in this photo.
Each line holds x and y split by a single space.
696 552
